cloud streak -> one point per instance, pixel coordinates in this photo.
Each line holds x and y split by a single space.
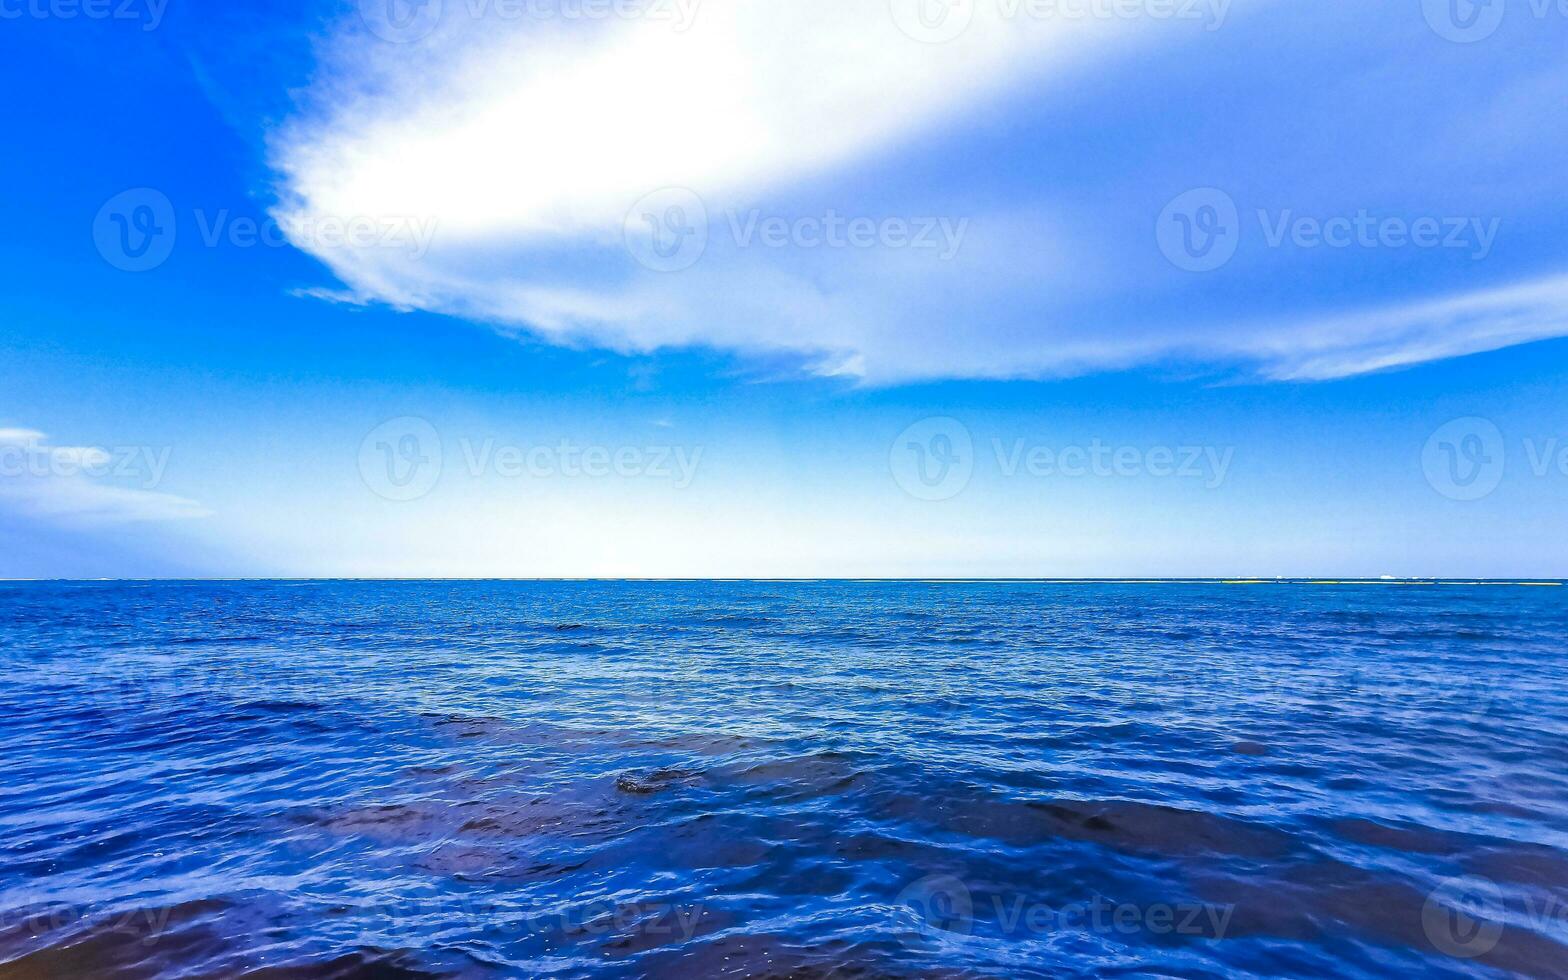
601 183
86 485
1415 333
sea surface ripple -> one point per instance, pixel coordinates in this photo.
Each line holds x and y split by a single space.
407 779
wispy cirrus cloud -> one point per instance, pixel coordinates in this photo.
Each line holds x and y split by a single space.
535 142
1399 336
86 485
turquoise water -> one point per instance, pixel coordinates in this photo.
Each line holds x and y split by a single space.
782 779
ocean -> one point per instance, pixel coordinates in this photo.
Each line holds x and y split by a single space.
783 779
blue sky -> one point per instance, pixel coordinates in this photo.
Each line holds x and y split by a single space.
539 289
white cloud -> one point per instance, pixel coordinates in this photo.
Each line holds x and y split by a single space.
533 129
86 485
526 144
1414 333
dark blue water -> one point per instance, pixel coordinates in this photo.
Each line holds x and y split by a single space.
756 779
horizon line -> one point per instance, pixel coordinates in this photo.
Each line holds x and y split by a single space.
932 580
